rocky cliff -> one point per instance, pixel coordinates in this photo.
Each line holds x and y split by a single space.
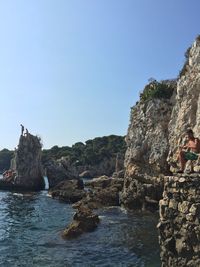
27 163
186 110
157 126
179 226
148 147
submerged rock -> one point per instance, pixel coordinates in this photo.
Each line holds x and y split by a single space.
84 221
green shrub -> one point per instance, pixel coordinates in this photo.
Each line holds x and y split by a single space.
156 89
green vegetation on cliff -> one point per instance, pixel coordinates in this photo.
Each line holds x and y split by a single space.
156 89
90 153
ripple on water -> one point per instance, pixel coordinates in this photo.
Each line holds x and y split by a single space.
30 235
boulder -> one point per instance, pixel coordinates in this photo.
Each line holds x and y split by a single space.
103 192
69 191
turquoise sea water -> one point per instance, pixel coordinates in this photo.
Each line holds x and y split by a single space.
30 235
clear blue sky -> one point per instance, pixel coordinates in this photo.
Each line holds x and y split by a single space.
71 69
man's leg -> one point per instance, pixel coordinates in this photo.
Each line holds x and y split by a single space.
182 160
192 166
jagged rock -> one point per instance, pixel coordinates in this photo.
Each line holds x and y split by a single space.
142 192
147 150
26 165
56 173
156 130
147 137
179 209
104 192
186 110
84 221
69 191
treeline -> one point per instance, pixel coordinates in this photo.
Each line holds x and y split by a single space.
90 153
5 158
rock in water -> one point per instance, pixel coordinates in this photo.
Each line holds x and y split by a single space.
102 192
69 191
57 173
84 221
27 162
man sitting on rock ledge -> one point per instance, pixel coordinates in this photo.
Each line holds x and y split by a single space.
189 151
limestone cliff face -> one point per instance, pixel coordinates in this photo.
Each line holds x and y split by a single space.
156 129
148 147
179 232
27 163
186 111
147 138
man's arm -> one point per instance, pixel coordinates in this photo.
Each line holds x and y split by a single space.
193 144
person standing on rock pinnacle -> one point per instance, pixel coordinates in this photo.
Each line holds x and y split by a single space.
189 151
22 129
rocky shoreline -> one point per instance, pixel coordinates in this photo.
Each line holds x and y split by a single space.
157 125
96 193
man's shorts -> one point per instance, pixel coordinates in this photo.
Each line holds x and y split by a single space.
190 156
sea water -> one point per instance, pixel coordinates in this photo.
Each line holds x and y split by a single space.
32 223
